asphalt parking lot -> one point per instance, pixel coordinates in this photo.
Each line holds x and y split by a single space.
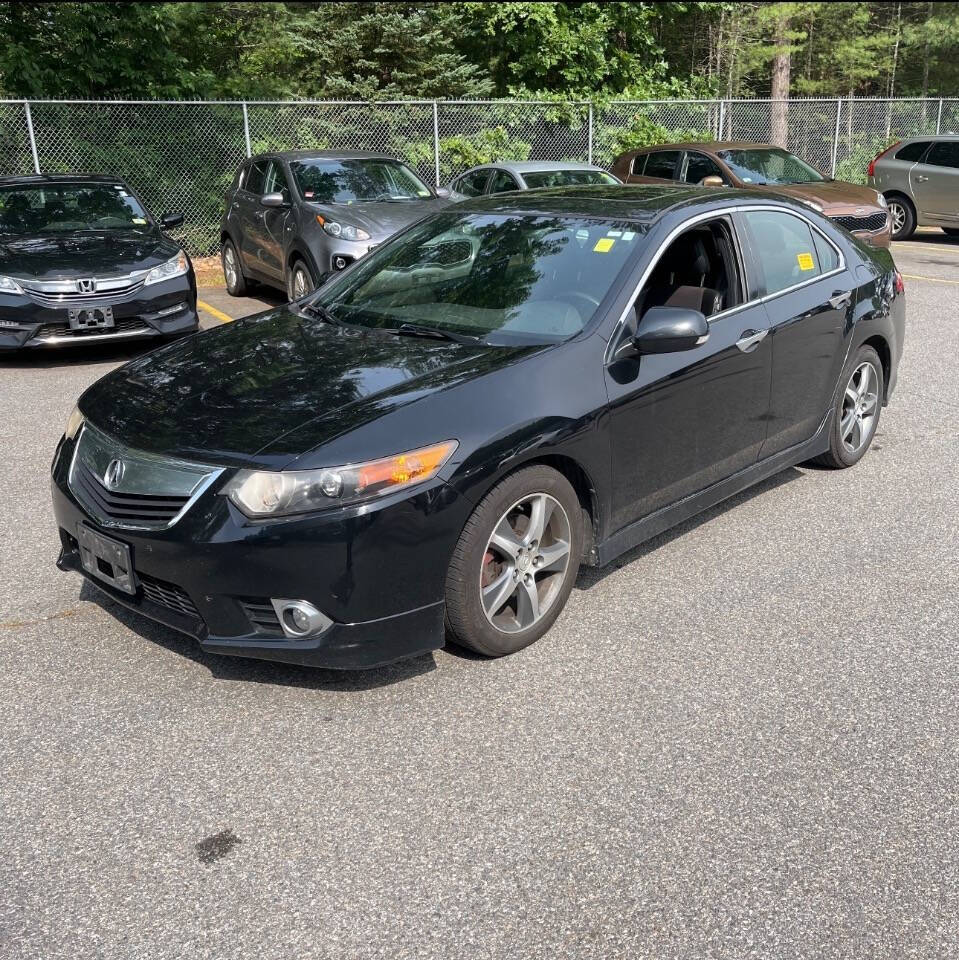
739 741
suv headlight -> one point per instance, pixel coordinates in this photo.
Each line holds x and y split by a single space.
345 231
881 200
166 271
270 493
74 423
9 285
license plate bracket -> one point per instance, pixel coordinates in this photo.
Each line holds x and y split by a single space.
91 318
106 559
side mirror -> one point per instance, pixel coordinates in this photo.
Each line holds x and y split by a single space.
273 200
170 220
669 329
444 193
712 181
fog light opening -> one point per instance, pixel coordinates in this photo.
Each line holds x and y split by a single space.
299 618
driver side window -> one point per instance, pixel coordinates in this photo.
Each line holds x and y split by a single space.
699 271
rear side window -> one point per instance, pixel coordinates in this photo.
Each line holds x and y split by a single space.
788 254
276 180
502 182
912 151
472 184
662 164
828 258
945 153
699 166
256 178
639 164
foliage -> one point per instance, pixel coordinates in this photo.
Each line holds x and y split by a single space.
641 131
460 152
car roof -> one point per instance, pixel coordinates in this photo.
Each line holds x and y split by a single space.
533 166
709 146
928 137
614 202
39 179
324 155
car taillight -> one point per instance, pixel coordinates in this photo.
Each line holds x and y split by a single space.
871 169
899 284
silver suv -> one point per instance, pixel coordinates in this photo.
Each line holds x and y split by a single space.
920 180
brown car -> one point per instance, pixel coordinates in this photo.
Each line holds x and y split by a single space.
862 210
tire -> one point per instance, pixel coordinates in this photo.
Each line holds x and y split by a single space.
846 445
902 211
299 273
230 261
478 564
951 231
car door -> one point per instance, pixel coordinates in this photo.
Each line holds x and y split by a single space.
682 421
247 204
935 182
271 223
808 296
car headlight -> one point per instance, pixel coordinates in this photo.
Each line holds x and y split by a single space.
74 423
9 285
269 493
818 207
345 231
881 200
166 271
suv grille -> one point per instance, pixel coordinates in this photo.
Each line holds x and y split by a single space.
126 508
875 221
167 595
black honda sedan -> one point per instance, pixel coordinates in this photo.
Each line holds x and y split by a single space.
83 261
433 443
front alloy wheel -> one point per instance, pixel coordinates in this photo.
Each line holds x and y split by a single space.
901 219
301 282
515 563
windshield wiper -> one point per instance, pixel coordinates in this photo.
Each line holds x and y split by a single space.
435 333
321 313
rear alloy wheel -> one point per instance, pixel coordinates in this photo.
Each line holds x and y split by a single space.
516 563
902 217
300 281
235 281
856 416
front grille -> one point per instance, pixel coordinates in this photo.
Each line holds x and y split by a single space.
62 329
871 223
130 509
55 293
262 616
167 595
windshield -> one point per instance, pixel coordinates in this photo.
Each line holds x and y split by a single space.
769 166
565 178
69 208
357 181
503 278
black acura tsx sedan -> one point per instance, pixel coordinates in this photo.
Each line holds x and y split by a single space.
432 443
83 261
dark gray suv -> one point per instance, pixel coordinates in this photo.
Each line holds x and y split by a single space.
293 218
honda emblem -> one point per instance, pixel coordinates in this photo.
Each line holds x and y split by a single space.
86 285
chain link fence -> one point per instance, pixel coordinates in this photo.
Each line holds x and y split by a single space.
181 156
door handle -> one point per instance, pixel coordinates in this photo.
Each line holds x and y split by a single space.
838 300
750 340
921 178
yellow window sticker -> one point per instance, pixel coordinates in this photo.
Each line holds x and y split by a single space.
604 245
806 261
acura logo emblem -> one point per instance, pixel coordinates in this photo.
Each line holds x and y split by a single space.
114 473
87 285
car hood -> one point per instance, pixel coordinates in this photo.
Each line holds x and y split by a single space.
381 219
86 254
269 388
831 193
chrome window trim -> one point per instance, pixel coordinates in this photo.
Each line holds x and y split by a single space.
713 215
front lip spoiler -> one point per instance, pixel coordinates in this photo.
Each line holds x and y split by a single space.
91 337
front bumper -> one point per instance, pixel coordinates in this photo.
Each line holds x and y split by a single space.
162 310
378 574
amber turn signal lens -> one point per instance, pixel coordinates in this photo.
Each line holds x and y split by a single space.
405 468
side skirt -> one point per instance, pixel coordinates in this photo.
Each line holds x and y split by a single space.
650 526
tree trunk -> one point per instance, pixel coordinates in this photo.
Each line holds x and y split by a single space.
925 67
780 84
892 72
